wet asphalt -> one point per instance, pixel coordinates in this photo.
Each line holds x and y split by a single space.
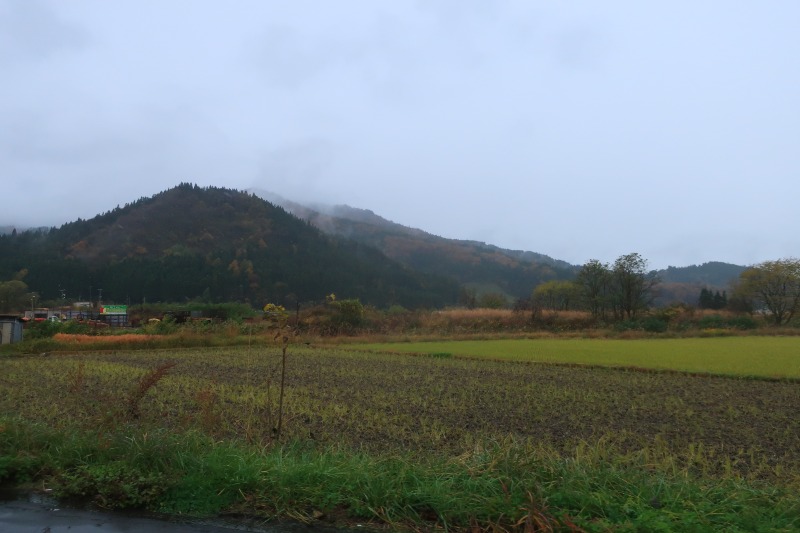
32 513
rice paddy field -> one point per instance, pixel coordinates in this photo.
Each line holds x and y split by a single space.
725 435
777 357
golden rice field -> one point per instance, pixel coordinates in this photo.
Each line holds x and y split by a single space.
382 402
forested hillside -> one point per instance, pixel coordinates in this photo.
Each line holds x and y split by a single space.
213 244
684 284
216 244
711 274
480 266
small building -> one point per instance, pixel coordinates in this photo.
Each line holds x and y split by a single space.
40 314
10 329
114 315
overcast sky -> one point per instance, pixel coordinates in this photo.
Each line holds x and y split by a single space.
578 129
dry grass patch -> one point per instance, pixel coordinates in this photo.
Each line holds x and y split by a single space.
126 338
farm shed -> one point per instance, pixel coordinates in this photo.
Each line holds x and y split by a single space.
10 329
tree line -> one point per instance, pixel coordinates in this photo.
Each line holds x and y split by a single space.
624 290
712 299
618 291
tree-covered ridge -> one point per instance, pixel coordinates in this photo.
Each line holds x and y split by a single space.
684 284
211 243
472 263
481 266
185 220
712 274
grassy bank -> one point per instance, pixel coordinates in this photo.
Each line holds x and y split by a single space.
500 485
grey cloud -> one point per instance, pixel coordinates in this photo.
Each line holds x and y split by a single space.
289 60
298 168
30 30
572 129
578 47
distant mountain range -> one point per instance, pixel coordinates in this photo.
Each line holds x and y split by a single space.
712 274
480 265
476 265
683 284
218 244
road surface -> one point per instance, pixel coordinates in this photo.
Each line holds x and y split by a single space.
35 514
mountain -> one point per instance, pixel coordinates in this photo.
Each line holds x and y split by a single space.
712 274
683 284
480 266
484 267
217 244
211 243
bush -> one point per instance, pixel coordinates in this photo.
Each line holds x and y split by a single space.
73 327
734 322
41 330
743 322
351 313
712 322
654 325
627 325
396 310
162 327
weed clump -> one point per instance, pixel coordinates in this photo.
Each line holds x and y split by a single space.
147 382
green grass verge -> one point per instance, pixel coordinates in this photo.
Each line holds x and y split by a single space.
500 484
742 356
